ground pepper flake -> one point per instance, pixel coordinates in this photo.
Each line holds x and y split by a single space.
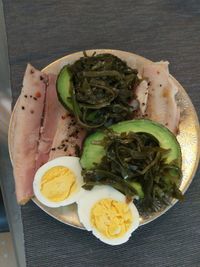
60 147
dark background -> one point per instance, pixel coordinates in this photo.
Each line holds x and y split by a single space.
42 31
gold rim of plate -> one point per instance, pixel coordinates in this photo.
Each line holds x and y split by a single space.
188 137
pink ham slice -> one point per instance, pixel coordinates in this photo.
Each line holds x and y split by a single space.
60 134
68 138
49 124
43 130
159 104
27 131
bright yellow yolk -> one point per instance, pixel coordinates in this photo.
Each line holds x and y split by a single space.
58 183
111 218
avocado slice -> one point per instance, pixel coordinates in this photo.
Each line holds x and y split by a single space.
63 88
93 153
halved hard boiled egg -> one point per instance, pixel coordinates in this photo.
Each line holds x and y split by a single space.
58 182
106 213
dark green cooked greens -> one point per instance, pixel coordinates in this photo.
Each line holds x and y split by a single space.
102 87
136 165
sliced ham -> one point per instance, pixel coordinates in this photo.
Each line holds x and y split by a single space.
43 130
27 131
68 138
60 134
161 105
49 124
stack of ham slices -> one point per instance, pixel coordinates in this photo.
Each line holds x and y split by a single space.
44 130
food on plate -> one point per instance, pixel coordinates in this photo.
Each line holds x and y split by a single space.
58 182
106 213
119 112
98 90
140 158
156 95
27 131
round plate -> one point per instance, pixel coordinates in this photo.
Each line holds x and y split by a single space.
188 137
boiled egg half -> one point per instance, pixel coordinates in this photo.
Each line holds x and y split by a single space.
58 182
106 213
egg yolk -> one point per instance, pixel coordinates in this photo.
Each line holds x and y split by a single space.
111 218
58 183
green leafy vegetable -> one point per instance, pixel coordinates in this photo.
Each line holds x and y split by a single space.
101 90
136 165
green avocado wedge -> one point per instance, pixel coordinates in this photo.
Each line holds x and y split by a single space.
63 87
93 153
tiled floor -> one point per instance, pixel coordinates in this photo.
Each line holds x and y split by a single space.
7 257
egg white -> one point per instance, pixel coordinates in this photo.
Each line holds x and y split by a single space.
88 200
70 162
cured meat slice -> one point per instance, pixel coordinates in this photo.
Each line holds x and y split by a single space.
159 103
27 130
68 138
49 124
